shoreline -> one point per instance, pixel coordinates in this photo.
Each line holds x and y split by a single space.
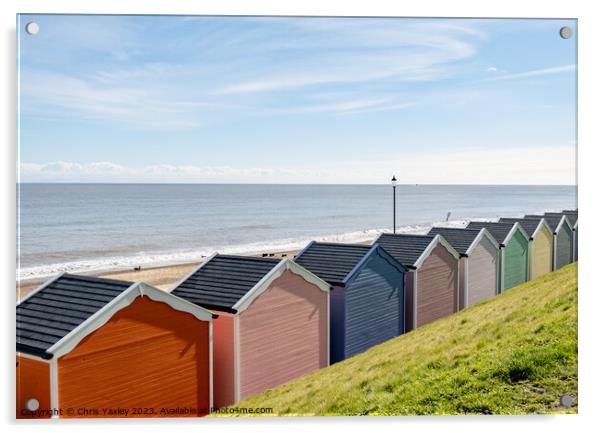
163 275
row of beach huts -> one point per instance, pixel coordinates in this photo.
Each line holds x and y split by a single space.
239 325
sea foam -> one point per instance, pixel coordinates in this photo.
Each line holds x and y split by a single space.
156 259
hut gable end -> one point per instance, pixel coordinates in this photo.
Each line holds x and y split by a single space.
283 334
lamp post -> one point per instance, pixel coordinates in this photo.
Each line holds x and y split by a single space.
394 184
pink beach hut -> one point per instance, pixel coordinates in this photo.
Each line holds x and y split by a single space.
272 325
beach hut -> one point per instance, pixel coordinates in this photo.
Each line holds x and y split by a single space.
95 347
514 252
479 253
563 237
573 217
367 296
541 244
272 325
432 281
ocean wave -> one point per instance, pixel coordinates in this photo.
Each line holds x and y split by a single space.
148 260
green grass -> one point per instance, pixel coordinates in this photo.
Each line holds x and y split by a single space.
513 354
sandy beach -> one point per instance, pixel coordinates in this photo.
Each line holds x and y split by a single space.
162 277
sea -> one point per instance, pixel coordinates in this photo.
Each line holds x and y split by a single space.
90 228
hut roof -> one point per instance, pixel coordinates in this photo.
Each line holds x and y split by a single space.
571 216
410 249
57 315
332 262
228 283
500 231
461 239
529 224
553 219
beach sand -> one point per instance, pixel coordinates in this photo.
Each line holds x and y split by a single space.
162 277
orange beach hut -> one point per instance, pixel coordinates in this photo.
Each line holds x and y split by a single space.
95 347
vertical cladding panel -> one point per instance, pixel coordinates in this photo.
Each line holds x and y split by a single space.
437 286
542 250
463 282
374 307
409 300
148 355
33 382
337 324
482 272
563 246
515 261
283 334
576 240
223 360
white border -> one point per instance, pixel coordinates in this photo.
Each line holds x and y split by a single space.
590 177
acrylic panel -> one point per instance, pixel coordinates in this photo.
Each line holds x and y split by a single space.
150 146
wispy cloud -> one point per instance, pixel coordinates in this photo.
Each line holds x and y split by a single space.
117 103
230 91
353 51
265 57
466 166
534 73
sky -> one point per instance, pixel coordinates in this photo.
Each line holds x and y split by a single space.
296 100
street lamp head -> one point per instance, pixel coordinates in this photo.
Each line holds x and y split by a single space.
394 181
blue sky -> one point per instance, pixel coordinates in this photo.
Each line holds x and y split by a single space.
296 100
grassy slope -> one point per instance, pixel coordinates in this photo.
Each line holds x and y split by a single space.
513 354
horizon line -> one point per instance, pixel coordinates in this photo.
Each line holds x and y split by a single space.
285 184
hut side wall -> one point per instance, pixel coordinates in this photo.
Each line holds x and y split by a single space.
437 294
515 261
409 300
374 306
223 360
482 273
576 241
462 276
564 246
283 334
33 382
337 324
148 355
542 250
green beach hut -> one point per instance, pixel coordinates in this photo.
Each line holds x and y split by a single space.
514 252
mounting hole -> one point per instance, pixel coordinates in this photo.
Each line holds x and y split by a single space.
32 28
566 32
32 404
566 400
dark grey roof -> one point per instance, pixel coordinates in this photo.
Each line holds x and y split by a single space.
51 313
459 238
552 219
529 224
332 261
571 216
498 230
406 249
223 280
571 212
